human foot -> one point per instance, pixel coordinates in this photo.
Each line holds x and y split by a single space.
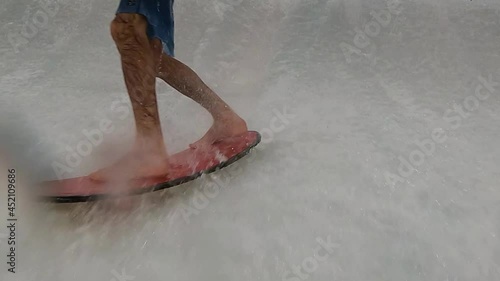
227 125
136 164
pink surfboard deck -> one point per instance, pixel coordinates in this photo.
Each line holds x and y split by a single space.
186 166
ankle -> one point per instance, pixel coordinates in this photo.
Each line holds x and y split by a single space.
149 143
227 114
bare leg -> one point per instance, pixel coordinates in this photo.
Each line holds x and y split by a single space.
140 57
182 78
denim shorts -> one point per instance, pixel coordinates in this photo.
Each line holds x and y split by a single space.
160 17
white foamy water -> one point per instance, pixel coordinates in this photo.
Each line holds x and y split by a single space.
380 157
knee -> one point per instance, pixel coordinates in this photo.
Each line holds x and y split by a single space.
125 27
